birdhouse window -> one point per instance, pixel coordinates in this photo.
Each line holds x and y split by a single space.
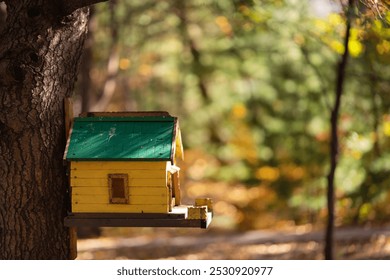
119 188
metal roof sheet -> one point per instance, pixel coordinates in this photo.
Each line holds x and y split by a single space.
122 138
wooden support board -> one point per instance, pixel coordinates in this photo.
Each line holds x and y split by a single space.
177 218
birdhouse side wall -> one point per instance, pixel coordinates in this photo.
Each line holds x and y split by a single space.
146 184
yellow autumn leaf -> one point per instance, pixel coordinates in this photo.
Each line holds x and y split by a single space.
335 19
383 47
355 48
380 29
267 173
377 26
239 111
356 154
321 25
124 63
337 46
292 172
145 69
386 128
354 33
223 24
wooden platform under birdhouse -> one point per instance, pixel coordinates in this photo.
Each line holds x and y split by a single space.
180 216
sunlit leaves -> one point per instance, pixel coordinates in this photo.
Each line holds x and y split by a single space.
239 111
224 24
268 68
331 31
386 125
267 173
383 47
355 47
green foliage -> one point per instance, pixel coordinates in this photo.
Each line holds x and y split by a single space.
251 82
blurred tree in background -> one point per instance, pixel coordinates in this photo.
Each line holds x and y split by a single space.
252 83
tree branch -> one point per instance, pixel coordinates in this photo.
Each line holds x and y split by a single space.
69 6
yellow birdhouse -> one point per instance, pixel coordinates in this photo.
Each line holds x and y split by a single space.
123 172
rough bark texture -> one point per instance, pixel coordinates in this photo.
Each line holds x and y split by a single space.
39 54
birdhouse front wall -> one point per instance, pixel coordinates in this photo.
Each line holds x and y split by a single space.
119 187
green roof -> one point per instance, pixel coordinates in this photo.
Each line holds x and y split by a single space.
122 138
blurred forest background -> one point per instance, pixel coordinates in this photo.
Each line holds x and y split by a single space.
253 84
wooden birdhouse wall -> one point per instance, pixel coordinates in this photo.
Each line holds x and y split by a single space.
97 186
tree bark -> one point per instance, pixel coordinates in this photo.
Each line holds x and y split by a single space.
334 139
39 54
3 15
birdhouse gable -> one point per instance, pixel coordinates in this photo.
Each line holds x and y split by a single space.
124 138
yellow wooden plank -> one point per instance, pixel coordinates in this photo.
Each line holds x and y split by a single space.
140 174
133 200
102 182
205 202
197 212
88 199
118 208
176 188
146 191
113 165
89 190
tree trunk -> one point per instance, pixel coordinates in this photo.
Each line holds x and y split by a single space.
39 54
334 139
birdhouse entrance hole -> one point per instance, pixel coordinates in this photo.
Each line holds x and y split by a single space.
118 185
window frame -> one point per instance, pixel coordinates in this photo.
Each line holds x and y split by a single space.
118 200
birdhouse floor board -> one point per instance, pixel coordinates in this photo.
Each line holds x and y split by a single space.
170 215
133 220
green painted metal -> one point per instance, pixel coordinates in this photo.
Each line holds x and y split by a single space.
128 119
121 138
